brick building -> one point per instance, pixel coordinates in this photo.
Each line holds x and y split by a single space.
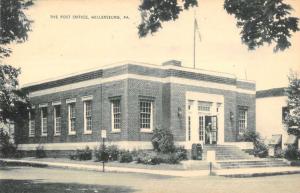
130 99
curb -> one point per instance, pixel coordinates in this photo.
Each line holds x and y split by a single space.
260 174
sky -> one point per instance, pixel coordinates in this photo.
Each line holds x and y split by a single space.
62 45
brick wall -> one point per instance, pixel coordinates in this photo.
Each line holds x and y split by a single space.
168 98
138 89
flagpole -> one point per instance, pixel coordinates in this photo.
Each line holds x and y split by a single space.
194 39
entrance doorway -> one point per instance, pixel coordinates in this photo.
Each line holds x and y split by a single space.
204 118
202 123
211 129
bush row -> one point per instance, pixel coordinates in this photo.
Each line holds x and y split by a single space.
290 152
112 153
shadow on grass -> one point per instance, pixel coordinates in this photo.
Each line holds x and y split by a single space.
13 163
30 186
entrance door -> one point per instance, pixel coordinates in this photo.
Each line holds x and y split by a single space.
211 129
201 127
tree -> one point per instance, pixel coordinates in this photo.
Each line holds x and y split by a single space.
14 103
14 24
261 21
14 27
292 119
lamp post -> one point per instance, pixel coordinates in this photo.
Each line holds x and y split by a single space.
103 155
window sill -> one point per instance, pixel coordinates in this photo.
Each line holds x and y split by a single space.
87 132
31 136
44 135
116 131
146 130
72 133
57 134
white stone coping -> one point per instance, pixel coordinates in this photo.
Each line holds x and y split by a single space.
113 65
129 145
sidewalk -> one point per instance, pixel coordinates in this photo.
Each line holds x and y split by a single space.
241 172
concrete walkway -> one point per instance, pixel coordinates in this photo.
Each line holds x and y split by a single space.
241 172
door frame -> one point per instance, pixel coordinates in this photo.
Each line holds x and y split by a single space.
218 102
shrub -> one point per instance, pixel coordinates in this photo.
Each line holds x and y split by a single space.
170 158
181 153
260 149
291 153
279 153
7 148
40 152
81 154
111 153
163 141
153 158
73 156
126 157
147 157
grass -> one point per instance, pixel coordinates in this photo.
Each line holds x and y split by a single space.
200 165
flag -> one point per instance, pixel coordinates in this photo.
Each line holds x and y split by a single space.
197 29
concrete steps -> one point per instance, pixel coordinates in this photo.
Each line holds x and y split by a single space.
226 152
232 157
231 164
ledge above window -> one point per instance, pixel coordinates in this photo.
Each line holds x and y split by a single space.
146 130
56 103
43 105
87 98
73 100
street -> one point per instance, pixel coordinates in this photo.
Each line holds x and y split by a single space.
46 180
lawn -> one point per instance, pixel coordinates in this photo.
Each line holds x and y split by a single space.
184 165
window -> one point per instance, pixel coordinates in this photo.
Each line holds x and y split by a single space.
201 128
242 120
87 105
57 119
116 115
146 115
31 123
71 118
285 113
189 128
204 106
44 115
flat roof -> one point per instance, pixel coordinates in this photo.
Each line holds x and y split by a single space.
273 92
182 68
